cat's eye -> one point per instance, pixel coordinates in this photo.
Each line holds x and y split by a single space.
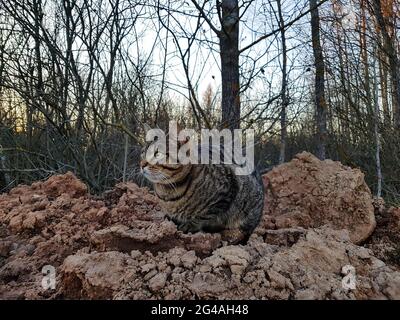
158 155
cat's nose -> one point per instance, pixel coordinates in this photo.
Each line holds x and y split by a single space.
143 163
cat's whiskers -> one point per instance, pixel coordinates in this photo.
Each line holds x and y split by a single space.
164 178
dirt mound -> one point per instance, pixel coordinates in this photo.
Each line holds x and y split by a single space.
308 192
309 269
120 246
44 223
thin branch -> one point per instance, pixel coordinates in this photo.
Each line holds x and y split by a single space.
289 24
203 14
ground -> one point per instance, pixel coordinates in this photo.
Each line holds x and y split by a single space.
320 219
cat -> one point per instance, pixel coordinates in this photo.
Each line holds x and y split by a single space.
207 197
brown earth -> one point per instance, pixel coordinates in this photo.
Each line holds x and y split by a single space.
120 246
310 193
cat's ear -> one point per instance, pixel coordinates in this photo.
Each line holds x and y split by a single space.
146 127
142 137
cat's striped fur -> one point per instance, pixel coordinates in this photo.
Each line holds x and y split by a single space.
209 198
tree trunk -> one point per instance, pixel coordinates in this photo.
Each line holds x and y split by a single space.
284 95
383 74
364 58
376 133
229 52
320 102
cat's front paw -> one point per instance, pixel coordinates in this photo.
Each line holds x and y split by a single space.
234 236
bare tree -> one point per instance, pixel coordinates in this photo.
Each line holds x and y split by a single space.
284 93
320 101
376 131
387 26
229 52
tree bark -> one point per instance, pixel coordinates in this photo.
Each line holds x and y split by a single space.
377 134
383 74
284 95
364 58
229 52
320 101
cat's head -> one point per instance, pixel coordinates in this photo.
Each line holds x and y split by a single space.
165 172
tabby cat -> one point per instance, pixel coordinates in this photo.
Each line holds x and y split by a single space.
209 198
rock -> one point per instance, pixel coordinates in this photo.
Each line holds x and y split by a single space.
277 280
284 237
93 276
175 256
235 257
189 259
310 193
157 282
148 267
135 254
209 285
153 236
146 236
